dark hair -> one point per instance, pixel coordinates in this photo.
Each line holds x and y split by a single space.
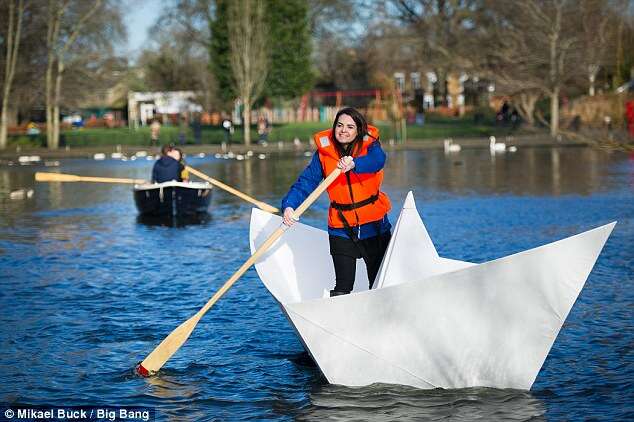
166 148
362 130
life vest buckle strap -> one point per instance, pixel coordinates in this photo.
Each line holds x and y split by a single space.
355 205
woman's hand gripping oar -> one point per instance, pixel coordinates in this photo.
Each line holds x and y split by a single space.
170 345
259 204
61 177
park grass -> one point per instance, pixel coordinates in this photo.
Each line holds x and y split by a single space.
436 127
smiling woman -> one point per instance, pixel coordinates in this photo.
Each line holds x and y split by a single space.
358 225
345 129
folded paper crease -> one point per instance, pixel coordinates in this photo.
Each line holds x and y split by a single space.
430 321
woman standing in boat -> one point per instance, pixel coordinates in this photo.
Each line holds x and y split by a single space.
358 225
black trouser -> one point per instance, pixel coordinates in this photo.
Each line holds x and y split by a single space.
345 254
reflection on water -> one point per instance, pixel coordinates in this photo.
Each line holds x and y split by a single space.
88 288
396 403
198 219
529 171
380 402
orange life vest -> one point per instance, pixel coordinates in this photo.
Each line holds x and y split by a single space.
356 197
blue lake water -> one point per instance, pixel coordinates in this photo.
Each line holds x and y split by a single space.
87 290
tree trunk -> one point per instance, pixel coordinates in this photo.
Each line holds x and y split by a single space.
442 87
51 39
56 100
554 112
57 53
592 77
13 46
3 124
617 80
248 54
526 107
55 126
246 121
555 74
49 103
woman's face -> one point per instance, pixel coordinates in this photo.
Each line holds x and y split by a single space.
346 129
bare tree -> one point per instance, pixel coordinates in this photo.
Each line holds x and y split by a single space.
510 65
502 52
13 44
249 54
58 49
619 57
184 35
329 16
189 20
524 102
595 18
534 46
445 29
390 48
551 25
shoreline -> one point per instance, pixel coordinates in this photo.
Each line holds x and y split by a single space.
539 140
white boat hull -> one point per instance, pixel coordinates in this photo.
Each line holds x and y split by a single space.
430 322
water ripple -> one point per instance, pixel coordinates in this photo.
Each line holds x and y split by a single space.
87 289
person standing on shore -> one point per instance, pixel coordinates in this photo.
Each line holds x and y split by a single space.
182 129
263 130
155 132
227 125
197 130
629 117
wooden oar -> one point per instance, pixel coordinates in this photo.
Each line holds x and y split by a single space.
262 205
170 345
61 177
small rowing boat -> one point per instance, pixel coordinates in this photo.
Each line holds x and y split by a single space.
172 198
430 322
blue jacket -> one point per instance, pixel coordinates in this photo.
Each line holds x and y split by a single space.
312 175
166 169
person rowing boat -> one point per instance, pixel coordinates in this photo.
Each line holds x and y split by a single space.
170 166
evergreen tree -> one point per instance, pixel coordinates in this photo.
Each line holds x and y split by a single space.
290 48
220 62
290 68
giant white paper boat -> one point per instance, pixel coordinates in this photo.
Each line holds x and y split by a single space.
430 321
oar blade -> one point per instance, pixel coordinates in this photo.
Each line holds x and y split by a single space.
170 345
61 177
55 177
179 336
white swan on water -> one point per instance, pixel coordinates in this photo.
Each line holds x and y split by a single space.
496 146
450 146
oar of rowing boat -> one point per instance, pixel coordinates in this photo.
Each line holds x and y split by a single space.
170 345
61 177
262 205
